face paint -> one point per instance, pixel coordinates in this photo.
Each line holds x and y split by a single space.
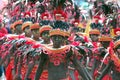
94 37
45 35
18 29
105 44
35 32
57 40
27 31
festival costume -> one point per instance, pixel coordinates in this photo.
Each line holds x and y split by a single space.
113 64
101 59
45 19
56 59
96 25
92 45
26 24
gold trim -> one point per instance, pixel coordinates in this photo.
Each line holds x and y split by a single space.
49 49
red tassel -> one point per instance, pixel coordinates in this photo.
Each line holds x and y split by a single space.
29 42
21 36
111 44
86 39
36 46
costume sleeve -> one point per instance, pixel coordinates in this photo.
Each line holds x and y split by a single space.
106 70
42 62
94 66
80 68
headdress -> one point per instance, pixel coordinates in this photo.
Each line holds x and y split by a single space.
45 14
35 26
105 38
27 13
45 28
17 23
12 26
76 21
58 32
97 17
58 12
94 31
26 24
116 30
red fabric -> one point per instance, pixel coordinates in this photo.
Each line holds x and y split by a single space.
71 38
21 36
3 30
9 75
112 44
75 43
27 13
116 61
86 39
32 75
29 42
95 44
23 70
2 35
45 14
107 77
95 74
36 45
76 75
44 75
9 72
115 30
97 17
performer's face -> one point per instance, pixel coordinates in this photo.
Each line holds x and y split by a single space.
35 32
45 35
27 31
18 29
105 44
57 40
94 37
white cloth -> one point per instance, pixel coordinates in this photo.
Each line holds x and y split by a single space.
3 77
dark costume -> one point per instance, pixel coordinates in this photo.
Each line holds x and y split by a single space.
57 60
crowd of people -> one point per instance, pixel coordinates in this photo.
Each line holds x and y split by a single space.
59 40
